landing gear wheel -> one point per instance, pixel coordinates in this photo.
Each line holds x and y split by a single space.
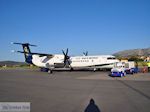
50 71
121 74
71 69
124 74
94 69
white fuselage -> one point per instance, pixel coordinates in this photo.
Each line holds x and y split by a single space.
99 61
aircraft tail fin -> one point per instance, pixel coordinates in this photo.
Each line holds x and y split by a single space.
26 51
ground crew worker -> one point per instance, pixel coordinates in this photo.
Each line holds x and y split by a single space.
144 69
148 64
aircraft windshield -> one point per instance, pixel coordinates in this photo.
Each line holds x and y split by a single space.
118 65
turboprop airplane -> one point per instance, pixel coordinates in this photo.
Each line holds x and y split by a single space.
50 62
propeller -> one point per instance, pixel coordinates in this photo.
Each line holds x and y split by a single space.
66 57
85 53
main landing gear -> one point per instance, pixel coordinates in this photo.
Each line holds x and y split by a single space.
50 71
94 69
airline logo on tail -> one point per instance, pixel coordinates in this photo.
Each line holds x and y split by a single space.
26 51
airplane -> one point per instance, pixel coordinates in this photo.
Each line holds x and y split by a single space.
51 62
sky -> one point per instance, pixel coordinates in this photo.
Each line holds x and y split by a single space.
96 26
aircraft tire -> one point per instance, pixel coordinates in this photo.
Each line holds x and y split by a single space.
71 69
94 69
50 71
121 75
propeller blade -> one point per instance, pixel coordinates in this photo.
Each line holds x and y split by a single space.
67 52
85 53
66 57
63 52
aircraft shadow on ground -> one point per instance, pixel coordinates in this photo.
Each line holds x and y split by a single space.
92 107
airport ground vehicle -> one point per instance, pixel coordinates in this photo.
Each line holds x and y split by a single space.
130 67
118 70
122 68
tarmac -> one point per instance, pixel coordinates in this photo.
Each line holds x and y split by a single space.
77 91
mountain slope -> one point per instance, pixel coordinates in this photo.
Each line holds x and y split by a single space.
11 63
133 52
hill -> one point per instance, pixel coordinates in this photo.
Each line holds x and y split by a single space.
133 52
11 63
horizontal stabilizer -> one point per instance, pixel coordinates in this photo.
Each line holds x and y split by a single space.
41 54
24 44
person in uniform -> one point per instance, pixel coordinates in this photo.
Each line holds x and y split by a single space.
148 64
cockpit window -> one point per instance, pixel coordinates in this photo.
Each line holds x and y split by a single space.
110 58
45 60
